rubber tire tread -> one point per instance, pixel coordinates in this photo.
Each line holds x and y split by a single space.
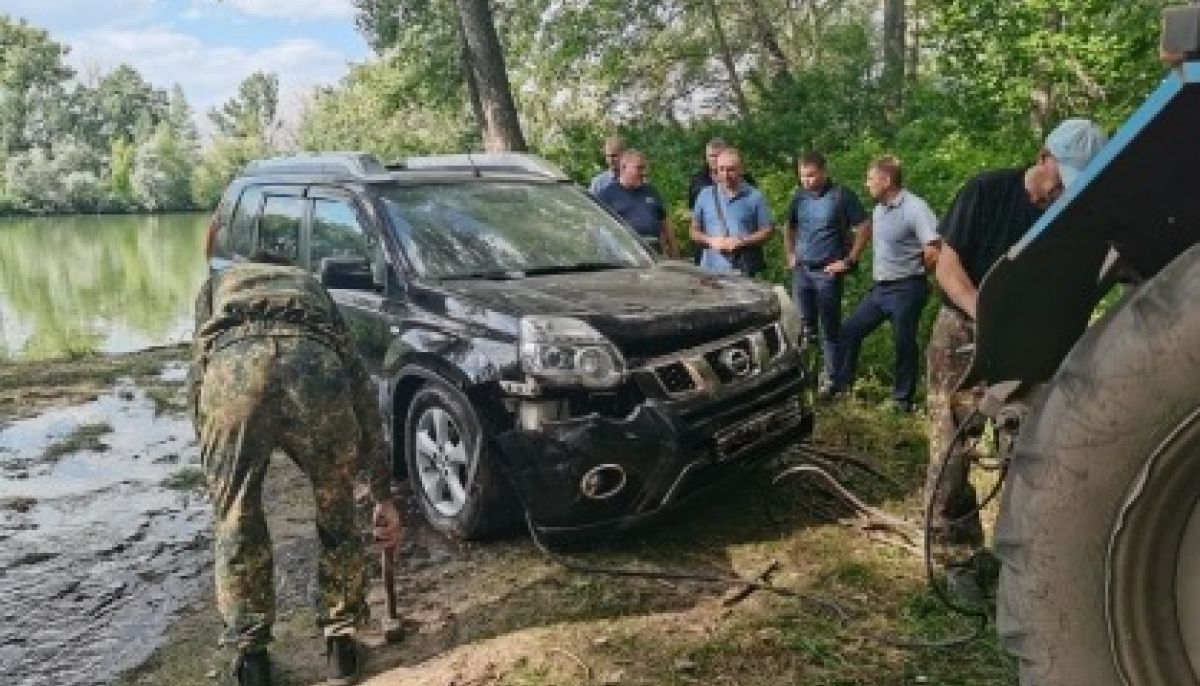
1128 383
489 511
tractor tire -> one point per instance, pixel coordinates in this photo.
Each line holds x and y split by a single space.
1099 529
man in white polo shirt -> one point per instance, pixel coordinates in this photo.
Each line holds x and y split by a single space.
904 245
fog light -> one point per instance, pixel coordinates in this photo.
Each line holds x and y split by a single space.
594 362
602 482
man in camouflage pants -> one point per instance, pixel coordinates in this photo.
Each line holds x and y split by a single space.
990 214
274 368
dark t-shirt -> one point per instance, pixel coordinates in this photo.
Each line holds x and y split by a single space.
703 179
823 222
642 207
990 214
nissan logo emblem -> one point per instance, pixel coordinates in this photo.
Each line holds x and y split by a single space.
736 360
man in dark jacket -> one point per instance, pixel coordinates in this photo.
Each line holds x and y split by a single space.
274 368
820 251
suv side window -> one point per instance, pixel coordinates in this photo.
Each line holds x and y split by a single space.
242 241
337 232
279 228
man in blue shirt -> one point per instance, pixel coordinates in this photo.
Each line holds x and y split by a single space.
820 221
639 203
613 147
731 220
904 245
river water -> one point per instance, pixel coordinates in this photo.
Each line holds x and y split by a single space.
96 551
106 283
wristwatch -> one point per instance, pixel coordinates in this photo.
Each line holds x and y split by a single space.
851 263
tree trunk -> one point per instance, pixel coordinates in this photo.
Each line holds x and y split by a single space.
893 54
914 42
464 56
1042 107
735 82
485 64
777 61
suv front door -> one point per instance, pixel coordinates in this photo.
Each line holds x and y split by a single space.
337 230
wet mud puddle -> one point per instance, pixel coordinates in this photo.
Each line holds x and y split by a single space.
103 536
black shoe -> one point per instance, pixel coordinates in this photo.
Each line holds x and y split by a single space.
343 659
252 668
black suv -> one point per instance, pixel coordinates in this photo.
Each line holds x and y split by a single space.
531 352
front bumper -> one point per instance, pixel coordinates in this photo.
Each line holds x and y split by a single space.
596 472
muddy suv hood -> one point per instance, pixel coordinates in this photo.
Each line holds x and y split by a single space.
646 312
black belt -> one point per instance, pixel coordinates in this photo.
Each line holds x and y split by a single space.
240 333
888 282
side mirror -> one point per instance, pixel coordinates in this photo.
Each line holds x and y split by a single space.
348 272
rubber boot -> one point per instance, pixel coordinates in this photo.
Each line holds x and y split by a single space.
344 660
252 668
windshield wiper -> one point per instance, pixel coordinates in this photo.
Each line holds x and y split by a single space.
488 275
578 267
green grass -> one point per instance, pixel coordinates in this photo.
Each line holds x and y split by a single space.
93 370
85 437
527 611
167 399
187 479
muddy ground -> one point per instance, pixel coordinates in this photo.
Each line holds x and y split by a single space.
104 569
103 537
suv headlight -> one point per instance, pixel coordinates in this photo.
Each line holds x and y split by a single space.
564 351
789 320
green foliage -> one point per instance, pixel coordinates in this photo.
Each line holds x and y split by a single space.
1016 64
252 111
162 171
31 68
371 110
224 159
121 102
121 171
58 179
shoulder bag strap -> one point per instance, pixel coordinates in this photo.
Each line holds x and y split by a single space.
843 217
720 209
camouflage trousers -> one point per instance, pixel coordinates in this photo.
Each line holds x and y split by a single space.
953 497
259 394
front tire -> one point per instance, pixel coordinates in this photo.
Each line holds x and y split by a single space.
1099 531
450 467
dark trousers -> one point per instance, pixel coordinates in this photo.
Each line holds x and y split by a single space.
819 299
900 301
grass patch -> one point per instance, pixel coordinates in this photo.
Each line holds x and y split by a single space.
84 437
91 369
167 399
28 386
678 633
187 479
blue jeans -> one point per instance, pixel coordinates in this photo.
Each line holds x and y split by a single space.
818 296
902 302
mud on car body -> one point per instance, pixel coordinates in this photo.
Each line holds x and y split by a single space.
532 354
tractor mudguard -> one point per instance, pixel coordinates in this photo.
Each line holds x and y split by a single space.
1138 199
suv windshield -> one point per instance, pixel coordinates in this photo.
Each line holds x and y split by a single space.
499 228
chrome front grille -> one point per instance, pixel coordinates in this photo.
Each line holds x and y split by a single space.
728 361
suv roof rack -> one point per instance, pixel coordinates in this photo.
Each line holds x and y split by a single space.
350 164
484 162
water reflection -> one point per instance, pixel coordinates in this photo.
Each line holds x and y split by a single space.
71 285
